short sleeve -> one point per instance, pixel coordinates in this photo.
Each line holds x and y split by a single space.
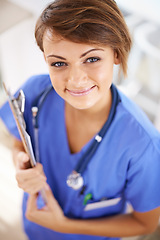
32 87
143 179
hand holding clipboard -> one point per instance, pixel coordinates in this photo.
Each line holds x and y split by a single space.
17 106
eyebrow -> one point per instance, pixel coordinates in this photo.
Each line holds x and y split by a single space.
91 50
83 55
56 56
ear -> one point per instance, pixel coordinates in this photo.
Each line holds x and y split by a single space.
116 58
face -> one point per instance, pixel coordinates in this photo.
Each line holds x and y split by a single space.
80 73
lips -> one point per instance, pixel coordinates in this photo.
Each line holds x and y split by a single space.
80 92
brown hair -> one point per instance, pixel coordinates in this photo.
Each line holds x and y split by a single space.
87 21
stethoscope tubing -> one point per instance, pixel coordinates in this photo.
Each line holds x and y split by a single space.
85 159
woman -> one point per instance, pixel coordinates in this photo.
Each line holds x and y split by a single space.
87 128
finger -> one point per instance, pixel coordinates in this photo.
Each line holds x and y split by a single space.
32 186
30 173
31 207
49 197
39 168
22 160
33 213
32 202
30 179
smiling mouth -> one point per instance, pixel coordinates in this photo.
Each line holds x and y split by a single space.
82 92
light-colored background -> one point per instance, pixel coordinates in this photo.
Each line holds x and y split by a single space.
20 58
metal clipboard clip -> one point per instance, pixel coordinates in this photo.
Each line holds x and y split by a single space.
17 106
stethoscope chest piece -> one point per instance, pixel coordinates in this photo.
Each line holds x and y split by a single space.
75 180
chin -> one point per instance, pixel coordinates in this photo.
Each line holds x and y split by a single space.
82 106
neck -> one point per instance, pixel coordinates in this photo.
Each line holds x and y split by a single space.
82 125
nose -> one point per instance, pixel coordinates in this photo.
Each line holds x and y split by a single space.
76 76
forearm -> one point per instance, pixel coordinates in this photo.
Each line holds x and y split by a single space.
117 226
124 225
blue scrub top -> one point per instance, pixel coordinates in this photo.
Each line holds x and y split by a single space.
127 160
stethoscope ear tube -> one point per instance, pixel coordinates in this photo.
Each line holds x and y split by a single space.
34 115
36 107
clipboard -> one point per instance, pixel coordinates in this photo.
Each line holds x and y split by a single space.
17 106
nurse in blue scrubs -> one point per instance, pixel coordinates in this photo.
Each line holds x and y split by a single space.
97 150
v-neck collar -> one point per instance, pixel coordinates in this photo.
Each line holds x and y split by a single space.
77 154
85 147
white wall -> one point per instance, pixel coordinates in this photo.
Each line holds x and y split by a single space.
19 55
34 6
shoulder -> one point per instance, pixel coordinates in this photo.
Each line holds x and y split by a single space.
136 118
134 130
35 84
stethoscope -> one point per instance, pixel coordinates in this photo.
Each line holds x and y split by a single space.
75 179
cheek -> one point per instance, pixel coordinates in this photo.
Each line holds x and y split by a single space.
56 79
55 83
104 75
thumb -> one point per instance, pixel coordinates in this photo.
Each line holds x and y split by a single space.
31 206
23 160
